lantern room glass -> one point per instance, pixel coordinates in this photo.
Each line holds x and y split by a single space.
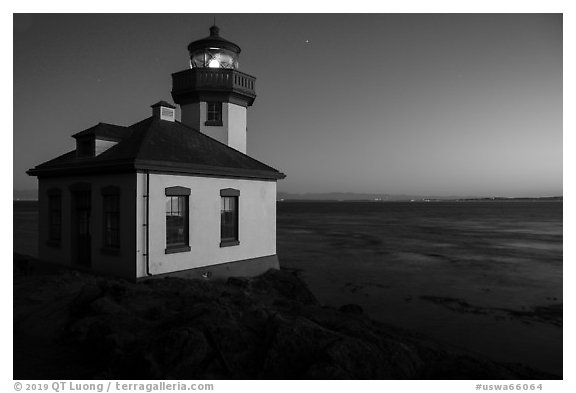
214 58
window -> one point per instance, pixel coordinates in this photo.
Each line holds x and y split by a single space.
177 219
111 223
213 114
54 217
229 217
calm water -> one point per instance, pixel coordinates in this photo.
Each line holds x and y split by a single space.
484 276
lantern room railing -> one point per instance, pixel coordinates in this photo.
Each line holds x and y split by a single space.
213 79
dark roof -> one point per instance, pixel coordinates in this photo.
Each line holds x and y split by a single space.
105 131
213 40
163 103
159 145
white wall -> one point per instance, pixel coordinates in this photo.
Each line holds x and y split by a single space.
236 126
257 222
122 265
233 129
102 145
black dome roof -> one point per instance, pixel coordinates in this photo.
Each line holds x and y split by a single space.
213 41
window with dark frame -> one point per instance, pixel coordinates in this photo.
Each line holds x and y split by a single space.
55 217
214 114
111 209
177 221
229 217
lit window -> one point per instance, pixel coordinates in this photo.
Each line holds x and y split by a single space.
54 217
214 114
177 219
214 63
229 217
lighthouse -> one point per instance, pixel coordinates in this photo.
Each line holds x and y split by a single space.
167 197
212 93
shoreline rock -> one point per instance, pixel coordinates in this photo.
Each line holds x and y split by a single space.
267 327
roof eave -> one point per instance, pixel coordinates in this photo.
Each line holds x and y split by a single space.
82 168
205 170
94 131
157 166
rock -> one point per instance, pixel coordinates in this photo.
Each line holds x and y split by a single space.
352 309
350 358
180 352
278 284
266 327
88 293
240 282
294 344
105 305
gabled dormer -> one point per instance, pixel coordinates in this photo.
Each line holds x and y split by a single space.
164 111
98 139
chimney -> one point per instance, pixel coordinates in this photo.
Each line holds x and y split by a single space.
164 111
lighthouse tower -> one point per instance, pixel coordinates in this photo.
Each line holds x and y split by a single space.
213 95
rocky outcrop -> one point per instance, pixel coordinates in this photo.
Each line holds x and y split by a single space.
268 327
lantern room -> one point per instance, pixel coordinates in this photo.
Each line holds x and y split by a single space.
214 52
212 93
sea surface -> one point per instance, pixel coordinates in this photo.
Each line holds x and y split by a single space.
483 276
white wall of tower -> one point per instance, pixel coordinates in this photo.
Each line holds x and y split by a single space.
236 115
233 130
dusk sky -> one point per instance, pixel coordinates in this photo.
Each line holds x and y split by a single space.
428 104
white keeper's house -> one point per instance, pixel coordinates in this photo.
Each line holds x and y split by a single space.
164 196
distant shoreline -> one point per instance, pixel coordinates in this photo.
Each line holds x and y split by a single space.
495 199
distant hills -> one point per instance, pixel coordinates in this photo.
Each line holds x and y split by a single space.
25 195
351 196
